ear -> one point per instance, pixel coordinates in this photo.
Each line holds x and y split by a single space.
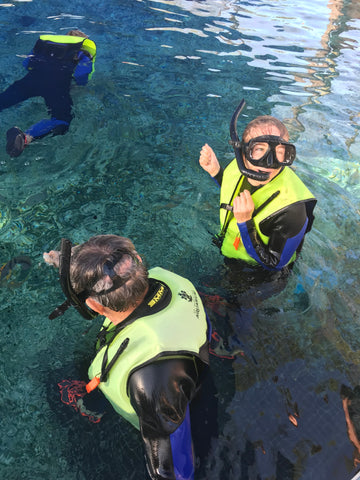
94 305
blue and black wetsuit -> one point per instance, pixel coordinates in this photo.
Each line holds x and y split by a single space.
247 283
161 393
51 67
290 222
155 378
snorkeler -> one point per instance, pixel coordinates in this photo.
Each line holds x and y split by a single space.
152 349
53 62
265 209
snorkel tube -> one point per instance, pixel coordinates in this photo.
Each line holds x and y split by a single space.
72 299
236 144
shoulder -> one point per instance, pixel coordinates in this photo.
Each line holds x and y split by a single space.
232 167
162 381
156 375
290 219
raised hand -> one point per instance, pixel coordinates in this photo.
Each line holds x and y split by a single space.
52 258
208 160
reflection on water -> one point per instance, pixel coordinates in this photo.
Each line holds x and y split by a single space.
168 76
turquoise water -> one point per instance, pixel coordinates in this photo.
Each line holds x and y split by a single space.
168 77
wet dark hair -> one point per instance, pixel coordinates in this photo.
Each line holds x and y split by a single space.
263 122
77 33
103 262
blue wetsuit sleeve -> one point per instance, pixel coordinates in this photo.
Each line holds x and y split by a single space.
160 394
285 231
27 59
83 69
182 450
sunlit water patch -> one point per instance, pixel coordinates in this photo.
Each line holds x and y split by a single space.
168 77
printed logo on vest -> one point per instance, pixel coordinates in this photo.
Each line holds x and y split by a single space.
185 296
157 296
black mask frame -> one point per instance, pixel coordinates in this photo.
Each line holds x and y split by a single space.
237 146
269 159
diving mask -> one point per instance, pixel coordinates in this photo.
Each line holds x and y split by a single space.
269 151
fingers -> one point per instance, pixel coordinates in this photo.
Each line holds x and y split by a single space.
208 160
246 199
51 258
243 207
242 201
205 155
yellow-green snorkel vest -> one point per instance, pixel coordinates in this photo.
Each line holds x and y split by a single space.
177 330
291 190
85 44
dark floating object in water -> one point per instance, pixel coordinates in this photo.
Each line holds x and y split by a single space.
6 268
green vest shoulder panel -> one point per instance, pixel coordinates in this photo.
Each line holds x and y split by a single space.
85 44
178 329
61 39
292 190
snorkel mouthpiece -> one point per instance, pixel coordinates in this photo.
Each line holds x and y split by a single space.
236 144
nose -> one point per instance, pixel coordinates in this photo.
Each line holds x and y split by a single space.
270 158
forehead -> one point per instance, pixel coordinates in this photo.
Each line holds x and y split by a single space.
264 130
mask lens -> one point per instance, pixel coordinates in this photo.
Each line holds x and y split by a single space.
280 151
258 150
270 151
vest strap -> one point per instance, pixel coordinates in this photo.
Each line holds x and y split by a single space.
105 369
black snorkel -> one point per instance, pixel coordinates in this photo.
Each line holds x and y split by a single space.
72 299
236 144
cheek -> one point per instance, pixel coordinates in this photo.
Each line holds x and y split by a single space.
248 165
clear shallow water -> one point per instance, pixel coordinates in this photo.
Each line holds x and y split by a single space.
168 77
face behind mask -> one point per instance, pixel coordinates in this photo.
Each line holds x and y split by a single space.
269 151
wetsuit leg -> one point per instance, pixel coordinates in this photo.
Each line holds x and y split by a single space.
56 94
204 420
59 105
46 126
18 92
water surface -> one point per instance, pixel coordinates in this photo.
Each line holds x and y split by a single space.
168 77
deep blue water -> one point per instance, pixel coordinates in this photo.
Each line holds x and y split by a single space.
168 77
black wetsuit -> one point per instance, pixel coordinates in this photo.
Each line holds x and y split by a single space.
161 394
51 69
280 227
246 284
